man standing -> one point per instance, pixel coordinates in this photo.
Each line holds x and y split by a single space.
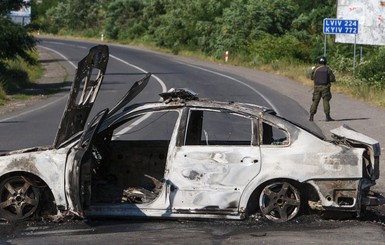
322 76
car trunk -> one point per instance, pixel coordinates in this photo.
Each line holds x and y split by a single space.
371 157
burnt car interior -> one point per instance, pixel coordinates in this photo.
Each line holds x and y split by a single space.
130 160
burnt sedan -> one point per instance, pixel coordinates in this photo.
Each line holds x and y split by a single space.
184 157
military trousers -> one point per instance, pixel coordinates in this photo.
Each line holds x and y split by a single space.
321 91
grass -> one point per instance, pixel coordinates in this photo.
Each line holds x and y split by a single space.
359 90
19 75
345 84
3 95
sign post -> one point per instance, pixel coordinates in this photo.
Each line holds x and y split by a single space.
341 26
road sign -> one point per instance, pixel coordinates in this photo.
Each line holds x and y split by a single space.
340 26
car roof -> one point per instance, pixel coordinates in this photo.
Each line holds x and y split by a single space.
187 98
184 97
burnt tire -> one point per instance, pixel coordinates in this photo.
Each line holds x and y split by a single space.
19 199
280 201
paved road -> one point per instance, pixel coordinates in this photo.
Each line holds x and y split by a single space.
305 230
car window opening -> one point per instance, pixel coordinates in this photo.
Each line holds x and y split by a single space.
272 135
218 128
134 127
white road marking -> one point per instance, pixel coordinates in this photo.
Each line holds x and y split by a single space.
69 45
138 121
162 84
60 54
234 79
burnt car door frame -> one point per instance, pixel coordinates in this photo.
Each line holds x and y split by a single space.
194 183
78 171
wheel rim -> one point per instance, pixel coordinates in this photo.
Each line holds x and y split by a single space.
280 201
18 199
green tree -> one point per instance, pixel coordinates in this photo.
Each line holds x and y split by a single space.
273 47
189 25
15 41
124 19
76 15
177 25
372 72
10 5
39 10
151 15
208 25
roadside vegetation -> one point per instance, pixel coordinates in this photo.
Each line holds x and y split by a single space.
19 65
279 36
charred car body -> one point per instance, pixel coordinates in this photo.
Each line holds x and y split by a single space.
184 157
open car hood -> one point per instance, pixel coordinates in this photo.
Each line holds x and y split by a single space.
89 75
79 105
92 128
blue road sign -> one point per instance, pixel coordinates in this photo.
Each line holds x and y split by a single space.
340 26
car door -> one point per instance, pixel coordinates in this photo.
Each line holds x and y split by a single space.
218 158
78 168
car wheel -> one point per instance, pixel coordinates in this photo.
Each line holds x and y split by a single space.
280 201
18 198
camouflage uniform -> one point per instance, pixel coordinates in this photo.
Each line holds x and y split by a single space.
322 76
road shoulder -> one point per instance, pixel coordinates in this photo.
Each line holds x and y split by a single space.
53 78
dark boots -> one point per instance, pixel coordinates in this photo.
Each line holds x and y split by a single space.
328 118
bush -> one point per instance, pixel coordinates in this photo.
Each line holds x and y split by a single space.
15 41
3 95
18 74
271 48
341 64
372 71
15 79
132 33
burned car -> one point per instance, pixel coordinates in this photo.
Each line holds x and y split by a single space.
184 157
